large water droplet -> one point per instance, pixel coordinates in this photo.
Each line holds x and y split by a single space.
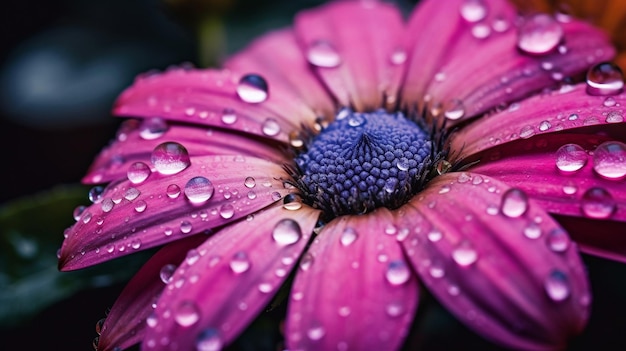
227 211
348 236
473 10
170 158
514 203
138 172
539 34
166 273
152 128
558 240
186 313
570 158
209 340
397 272
605 79
95 194
240 262
609 160
557 286
271 127
454 109
173 191
252 88
199 189
292 202
464 254
597 203
287 232
321 53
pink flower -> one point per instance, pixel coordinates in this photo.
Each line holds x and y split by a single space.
368 156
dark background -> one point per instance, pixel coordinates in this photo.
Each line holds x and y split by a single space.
49 137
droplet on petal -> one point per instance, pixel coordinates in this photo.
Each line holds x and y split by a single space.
173 191
138 172
167 272
558 240
571 158
514 203
199 189
464 254
152 128
473 10
316 333
557 286
240 262
454 109
287 232
252 88
397 272
292 202
597 203
321 53
95 194
186 313
605 79
209 340
170 158
348 236
539 34
609 160
271 127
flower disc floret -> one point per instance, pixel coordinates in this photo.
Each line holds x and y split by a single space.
362 161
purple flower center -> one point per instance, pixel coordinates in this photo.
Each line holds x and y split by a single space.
363 161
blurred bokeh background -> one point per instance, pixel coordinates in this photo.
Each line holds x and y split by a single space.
62 63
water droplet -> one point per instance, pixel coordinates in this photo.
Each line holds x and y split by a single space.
397 272
403 164
473 10
454 109
252 88
321 53
292 202
95 194
187 313
138 172
348 236
170 158
614 117
514 203
557 286
185 227
436 270
316 333
167 272
609 102
287 232
107 205
481 31
240 262
434 235
597 203
570 158
152 128
229 116
344 311
558 240
199 190
464 254
271 127
544 125
227 211
192 257
526 132
539 34
605 79
140 206
532 231
398 57
209 340
131 194
306 262
609 160
249 182
152 320
173 191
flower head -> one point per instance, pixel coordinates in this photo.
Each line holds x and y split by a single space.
366 156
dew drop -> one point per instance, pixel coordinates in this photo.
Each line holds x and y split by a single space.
152 128
570 158
252 88
271 127
173 191
558 240
209 340
514 203
107 205
597 203
166 273
605 79
95 194
229 116
131 194
316 333
397 272
544 125
140 206
464 254
614 117
186 313
526 132
170 158
348 236
227 211
609 160
539 34
185 227
557 286
199 189
434 235
473 10
287 232
532 231
454 109
398 57
306 262
240 262
138 172
249 182
321 53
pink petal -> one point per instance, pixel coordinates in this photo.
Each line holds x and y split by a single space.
565 192
126 322
545 113
508 74
232 278
133 144
151 214
355 59
210 98
354 289
496 261
601 238
278 56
